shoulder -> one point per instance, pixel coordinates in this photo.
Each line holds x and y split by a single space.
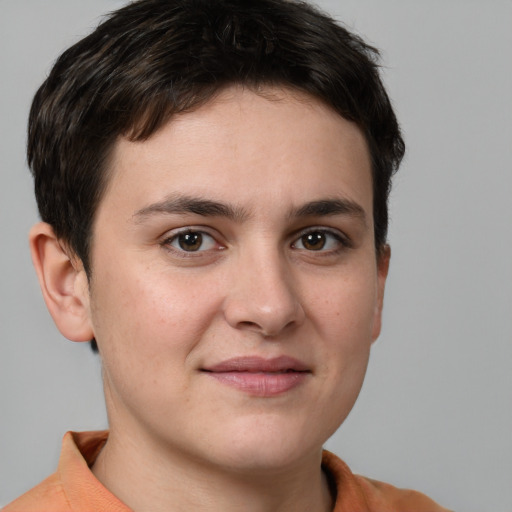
48 495
72 486
372 495
400 500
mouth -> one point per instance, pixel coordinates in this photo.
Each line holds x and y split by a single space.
258 376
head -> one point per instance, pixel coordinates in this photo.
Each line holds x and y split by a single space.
156 58
214 179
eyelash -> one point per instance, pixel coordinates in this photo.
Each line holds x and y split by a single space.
168 242
342 241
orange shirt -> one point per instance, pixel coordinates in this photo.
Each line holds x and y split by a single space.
73 487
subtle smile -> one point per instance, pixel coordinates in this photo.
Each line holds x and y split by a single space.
260 377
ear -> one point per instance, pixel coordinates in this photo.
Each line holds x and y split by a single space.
383 258
63 282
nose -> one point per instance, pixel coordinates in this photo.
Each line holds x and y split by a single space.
263 297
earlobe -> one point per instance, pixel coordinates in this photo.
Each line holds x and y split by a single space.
383 258
63 283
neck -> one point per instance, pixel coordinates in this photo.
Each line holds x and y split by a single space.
148 477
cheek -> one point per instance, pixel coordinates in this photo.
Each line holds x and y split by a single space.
147 325
146 329
345 309
345 316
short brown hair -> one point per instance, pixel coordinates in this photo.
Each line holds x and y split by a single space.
154 58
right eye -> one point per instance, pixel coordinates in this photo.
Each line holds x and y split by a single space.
191 241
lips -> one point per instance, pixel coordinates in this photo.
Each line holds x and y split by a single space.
258 376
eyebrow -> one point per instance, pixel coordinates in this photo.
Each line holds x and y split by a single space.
327 207
182 205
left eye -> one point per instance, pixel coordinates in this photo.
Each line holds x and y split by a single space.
192 241
318 241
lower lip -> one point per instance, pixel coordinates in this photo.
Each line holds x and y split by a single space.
261 384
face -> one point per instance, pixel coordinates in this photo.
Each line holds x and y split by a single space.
235 289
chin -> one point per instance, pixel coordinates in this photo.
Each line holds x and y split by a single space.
269 445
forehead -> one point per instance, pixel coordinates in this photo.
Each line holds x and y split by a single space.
278 140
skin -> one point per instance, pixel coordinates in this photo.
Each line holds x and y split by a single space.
255 286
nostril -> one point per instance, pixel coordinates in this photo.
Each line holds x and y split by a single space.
255 327
265 330
247 325
252 325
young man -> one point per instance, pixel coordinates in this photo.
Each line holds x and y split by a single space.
212 178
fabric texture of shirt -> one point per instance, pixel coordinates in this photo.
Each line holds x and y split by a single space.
73 487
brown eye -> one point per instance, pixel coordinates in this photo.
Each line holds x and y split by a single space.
321 240
314 241
190 241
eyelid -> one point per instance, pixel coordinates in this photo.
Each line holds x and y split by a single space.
172 235
344 241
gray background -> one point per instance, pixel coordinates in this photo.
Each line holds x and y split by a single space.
435 412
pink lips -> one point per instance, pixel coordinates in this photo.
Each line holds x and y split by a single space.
258 376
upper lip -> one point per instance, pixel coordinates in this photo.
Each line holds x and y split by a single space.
258 364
